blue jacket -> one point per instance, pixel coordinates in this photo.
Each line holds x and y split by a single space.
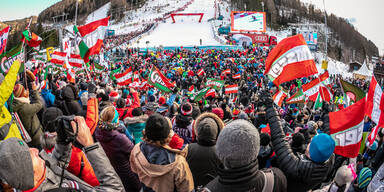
48 97
136 125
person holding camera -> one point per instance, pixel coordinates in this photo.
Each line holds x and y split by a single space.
27 111
24 168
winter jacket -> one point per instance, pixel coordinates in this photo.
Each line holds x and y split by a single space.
48 97
183 126
302 173
118 148
80 167
109 180
377 182
245 179
202 158
27 113
331 187
161 169
68 105
135 126
92 118
127 111
7 125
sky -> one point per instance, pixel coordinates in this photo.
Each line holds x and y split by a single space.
19 9
366 15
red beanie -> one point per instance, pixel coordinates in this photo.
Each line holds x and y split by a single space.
219 112
161 100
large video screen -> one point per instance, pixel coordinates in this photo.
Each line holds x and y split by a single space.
248 21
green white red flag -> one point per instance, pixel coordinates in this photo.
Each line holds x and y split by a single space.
71 75
215 83
346 128
31 38
317 85
298 97
158 80
289 60
90 37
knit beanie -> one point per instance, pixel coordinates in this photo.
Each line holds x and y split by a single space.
186 109
19 90
48 118
343 175
321 148
207 129
84 98
113 96
157 127
162 100
16 166
83 86
219 112
365 177
238 144
242 115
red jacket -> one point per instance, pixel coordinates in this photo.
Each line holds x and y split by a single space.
127 111
79 164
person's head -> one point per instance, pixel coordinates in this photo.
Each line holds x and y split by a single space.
120 103
157 129
48 140
84 98
19 91
114 96
109 118
49 117
365 177
298 140
21 167
321 148
219 112
137 112
238 144
343 176
186 109
207 128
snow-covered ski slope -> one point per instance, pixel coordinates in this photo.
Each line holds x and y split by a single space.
187 31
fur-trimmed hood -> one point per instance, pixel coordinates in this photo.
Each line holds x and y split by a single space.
134 120
205 134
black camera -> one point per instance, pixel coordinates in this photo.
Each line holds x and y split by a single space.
65 133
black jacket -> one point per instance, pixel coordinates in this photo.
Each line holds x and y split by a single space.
302 173
245 179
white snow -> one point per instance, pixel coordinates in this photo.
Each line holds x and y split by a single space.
187 31
100 13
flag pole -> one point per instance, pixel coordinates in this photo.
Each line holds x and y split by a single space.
23 46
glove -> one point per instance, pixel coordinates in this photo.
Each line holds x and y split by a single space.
92 88
65 133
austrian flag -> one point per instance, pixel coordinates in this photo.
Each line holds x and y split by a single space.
231 89
200 72
289 60
124 78
279 97
237 76
58 58
227 72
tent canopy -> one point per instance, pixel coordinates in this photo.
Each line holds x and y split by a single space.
363 72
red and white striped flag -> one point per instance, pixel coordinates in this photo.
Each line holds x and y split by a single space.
134 85
200 72
279 97
124 78
234 100
58 58
237 76
143 84
374 108
231 89
71 75
136 77
289 60
227 72
3 39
